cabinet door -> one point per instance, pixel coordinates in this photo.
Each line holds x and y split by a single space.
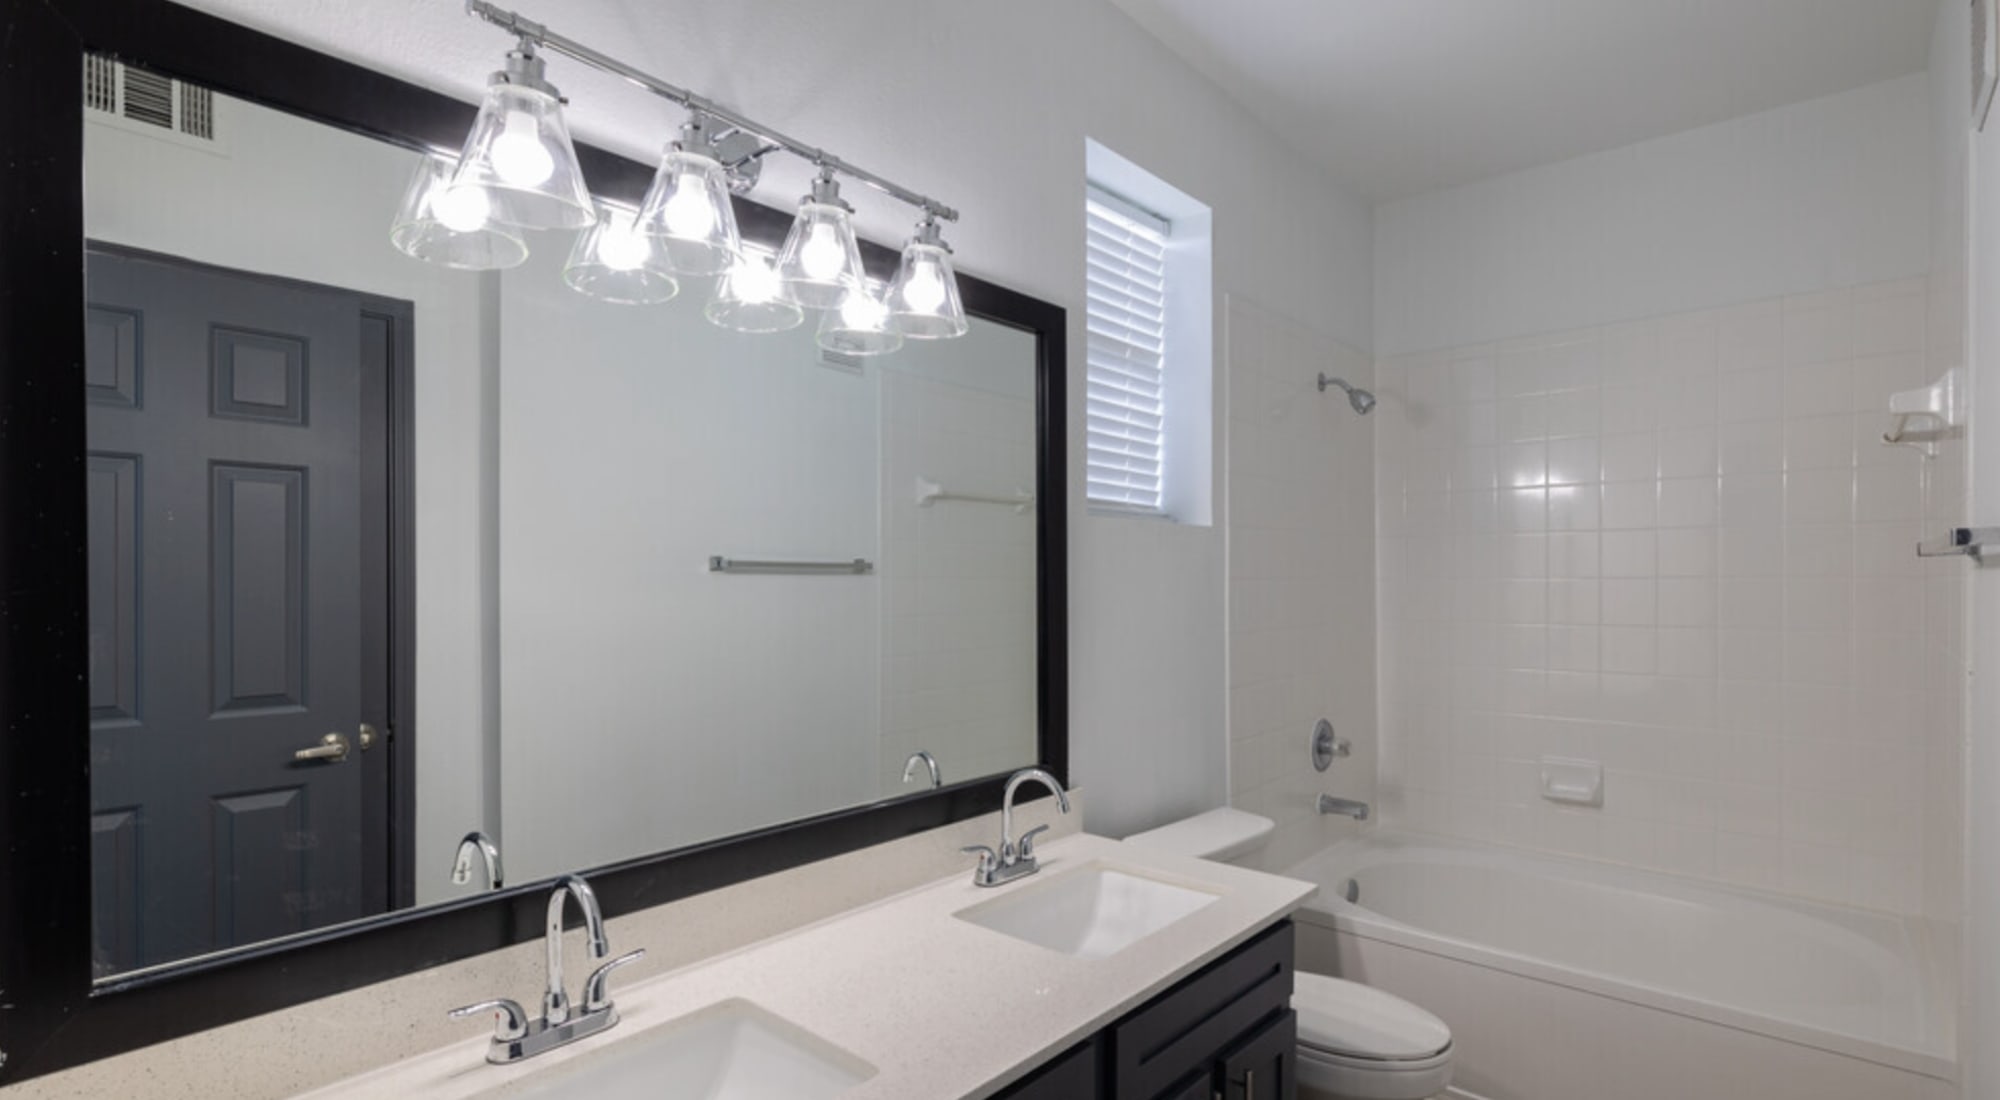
1199 1087
1186 1029
1262 1067
1072 1076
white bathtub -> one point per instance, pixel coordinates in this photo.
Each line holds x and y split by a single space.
1569 978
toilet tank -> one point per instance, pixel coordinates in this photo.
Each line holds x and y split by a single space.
1221 834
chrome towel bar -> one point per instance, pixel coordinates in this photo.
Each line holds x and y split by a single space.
719 564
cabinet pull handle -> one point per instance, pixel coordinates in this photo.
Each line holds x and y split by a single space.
1249 1084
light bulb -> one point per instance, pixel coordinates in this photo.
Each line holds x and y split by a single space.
862 312
518 153
754 281
821 255
925 289
618 247
688 212
460 209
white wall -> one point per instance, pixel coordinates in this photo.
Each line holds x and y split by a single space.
1980 1071
959 669
1947 582
1828 193
647 703
988 106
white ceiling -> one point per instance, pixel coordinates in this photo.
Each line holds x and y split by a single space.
1397 97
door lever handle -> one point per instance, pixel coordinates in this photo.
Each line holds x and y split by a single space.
332 747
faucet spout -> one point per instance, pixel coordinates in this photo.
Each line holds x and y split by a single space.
1346 807
477 845
920 757
555 1002
1007 802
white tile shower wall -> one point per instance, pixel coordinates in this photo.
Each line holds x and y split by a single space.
1301 562
1678 547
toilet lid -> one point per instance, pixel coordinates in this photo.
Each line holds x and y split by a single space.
1353 1019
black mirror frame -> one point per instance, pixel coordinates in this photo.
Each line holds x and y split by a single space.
52 1016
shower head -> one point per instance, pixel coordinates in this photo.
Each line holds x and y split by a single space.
1360 399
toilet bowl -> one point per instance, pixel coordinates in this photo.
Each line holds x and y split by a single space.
1355 1042
1359 1043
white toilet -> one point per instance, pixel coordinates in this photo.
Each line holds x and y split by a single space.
1355 1042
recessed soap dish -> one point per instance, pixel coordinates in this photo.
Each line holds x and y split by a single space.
1922 417
1577 782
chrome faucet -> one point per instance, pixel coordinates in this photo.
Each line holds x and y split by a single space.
515 1036
555 1002
928 761
1346 807
477 845
1015 858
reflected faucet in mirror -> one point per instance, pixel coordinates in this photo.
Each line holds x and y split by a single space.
477 845
928 761
1015 858
515 1036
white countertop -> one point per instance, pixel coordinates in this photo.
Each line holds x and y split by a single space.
939 1006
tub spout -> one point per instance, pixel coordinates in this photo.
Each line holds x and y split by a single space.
1344 806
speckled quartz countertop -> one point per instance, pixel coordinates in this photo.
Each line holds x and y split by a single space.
938 1006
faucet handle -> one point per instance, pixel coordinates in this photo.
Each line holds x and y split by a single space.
1027 841
513 1022
988 858
597 987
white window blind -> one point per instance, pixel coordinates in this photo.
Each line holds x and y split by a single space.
1126 258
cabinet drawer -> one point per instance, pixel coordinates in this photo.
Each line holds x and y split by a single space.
1187 1027
1072 1076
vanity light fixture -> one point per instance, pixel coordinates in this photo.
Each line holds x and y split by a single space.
859 327
519 171
615 262
451 227
751 298
519 152
821 262
687 208
923 301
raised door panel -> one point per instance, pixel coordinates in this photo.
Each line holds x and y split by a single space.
112 497
257 581
1076 1075
1198 1086
111 356
117 893
1187 1028
261 845
1263 1067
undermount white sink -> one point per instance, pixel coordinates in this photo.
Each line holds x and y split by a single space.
1092 912
733 1050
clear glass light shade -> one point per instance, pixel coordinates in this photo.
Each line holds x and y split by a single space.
752 299
923 298
687 210
615 262
519 153
859 327
452 228
820 262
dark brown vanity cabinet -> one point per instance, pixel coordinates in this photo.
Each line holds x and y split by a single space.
1226 1033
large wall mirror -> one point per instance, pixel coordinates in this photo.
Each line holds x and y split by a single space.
402 588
